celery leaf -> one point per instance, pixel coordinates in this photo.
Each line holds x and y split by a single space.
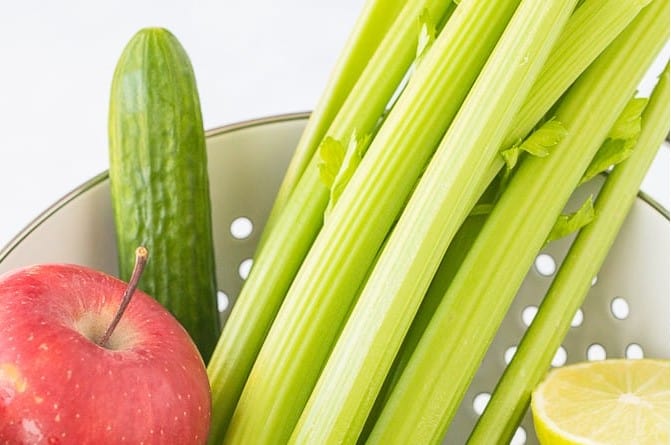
628 124
621 139
572 222
346 165
546 137
611 152
511 155
537 143
331 155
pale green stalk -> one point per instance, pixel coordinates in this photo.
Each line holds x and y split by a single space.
362 356
534 353
593 26
287 243
428 393
370 28
322 292
590 29
456 252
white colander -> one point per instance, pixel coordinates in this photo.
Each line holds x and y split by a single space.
626 313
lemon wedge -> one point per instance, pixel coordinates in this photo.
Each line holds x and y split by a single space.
616 401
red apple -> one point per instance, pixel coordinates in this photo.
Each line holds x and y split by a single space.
146 385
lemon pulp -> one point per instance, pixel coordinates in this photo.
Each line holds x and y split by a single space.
617 401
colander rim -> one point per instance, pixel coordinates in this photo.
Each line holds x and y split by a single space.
215 131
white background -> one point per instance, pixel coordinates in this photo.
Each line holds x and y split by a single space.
251 58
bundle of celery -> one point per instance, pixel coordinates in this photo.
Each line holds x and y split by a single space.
365 315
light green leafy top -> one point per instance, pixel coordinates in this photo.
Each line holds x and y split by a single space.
331 155
628 124
621 139
338 163
572 222
537 143
617 147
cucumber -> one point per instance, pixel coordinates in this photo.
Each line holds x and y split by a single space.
159 183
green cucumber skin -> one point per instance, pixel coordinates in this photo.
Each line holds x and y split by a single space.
159 183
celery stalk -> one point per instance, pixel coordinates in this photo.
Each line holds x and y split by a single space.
456 252
370 28
366 104
320 296
287 243
593 26
342 398
446 358
532 359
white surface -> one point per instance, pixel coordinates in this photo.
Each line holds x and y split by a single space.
251 58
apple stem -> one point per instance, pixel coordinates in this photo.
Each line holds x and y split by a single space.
141 255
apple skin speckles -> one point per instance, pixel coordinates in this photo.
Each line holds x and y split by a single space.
55 379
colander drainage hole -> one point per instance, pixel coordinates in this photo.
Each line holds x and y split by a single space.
222 301
528 314
480 402
241 227
244 268
619 308
596 352
634 351
577 318
560 357
545 264
509 354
